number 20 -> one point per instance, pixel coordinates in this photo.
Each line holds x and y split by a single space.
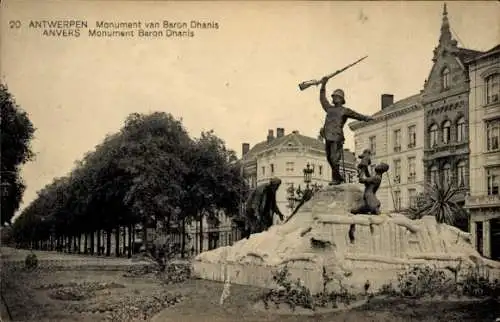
15 24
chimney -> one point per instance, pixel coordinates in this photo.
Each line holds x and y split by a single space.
270 136
387 100
280 132
245 147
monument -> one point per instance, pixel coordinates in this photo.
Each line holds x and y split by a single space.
319 236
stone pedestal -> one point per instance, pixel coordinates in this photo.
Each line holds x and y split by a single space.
317 237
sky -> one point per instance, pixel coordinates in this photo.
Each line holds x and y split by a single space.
239 80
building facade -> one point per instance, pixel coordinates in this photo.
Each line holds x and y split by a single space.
484 144
445 98
395 138
286 157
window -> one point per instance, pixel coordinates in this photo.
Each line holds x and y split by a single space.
412 175
461 173
272 168
492 88
461 129
445 78
412 136
397 140
397 200
433 135
492 135
397 171
412 197
493 180
434 175
446 132
290 167
447 174
373 145
263 171
320 168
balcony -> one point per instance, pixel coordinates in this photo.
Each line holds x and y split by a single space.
411 145
397 148
412 178
482 201
452 148
397 179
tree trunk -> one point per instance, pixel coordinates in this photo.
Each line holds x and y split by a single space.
130 241
92 243
75 244
183 238
98 242
108 242
201 234
85 243
79 243
117 241
145 235
125 238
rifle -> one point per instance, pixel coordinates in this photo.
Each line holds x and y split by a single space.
307 84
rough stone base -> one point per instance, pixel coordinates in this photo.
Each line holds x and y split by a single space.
316 239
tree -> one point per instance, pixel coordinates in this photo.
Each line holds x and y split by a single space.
214 183
149 171
438 201
17 133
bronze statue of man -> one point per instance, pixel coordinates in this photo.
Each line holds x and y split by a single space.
333 129
261 206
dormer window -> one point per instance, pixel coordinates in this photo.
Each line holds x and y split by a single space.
445 78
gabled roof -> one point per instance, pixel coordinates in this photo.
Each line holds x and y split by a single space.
299 139
465 54
481 55
396 107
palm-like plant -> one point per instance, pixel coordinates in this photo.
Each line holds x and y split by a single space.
438 201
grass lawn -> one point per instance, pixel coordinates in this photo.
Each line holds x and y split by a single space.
83 295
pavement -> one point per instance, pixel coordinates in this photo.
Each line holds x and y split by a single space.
62 260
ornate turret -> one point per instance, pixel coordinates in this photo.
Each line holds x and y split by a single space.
445 37
446 42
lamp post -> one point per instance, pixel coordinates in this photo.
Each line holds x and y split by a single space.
298 195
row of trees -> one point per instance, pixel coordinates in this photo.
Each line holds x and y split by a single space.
17 132
149 171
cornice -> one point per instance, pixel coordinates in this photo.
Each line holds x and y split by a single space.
382 118
445 108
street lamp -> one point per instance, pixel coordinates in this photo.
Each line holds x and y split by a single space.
299 195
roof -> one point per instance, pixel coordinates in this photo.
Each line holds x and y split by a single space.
485 54
301 139
466 54
395 107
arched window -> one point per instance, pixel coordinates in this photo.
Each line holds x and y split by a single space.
447 174
461 129
492 88
433 135
446 132
434 175
445 78
461 173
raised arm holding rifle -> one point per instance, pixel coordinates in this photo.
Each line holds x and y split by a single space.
333 129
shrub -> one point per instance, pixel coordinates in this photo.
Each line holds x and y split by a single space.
476 283
31 261
422 280
292 293
296 294
419 281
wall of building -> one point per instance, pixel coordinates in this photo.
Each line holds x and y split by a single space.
383 131
484 205
479 113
